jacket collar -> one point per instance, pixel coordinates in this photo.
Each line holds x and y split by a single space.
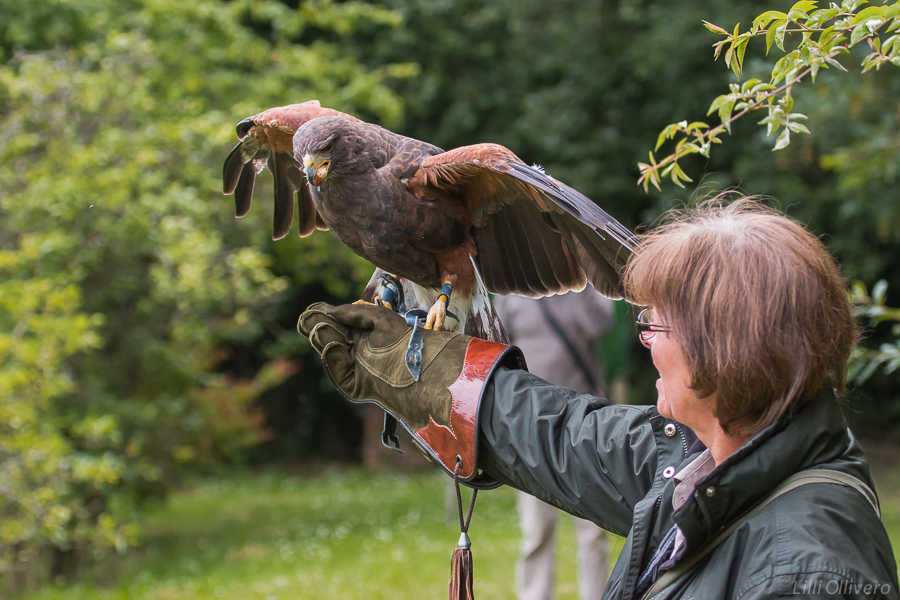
815 435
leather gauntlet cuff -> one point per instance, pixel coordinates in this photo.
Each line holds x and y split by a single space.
366 352
459 441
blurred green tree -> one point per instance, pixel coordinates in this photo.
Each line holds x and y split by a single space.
122 271
584 88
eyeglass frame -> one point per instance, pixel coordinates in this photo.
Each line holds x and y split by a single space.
646 331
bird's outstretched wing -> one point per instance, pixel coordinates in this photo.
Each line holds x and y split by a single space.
266 140
535 235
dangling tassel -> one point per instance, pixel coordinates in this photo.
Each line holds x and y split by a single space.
461 571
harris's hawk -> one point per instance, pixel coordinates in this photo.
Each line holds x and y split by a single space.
475 218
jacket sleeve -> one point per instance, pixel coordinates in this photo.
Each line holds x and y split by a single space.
582 454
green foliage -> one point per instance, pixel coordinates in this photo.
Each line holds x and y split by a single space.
40 330
872 310
335 534
121 265
824 34
343 534
858 150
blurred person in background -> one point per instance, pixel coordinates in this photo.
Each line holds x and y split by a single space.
558 336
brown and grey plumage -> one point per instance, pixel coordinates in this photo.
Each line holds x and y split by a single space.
438 217
266 139
475 216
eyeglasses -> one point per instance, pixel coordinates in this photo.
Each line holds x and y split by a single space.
646 327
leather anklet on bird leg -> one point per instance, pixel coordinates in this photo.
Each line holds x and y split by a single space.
438 312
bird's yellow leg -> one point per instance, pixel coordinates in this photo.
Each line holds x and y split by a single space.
437 314
391 296
378 302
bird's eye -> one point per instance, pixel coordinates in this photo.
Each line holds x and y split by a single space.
328 148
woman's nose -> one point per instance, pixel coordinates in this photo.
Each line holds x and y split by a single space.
647 343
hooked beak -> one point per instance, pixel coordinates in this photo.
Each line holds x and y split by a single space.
310 174
315 172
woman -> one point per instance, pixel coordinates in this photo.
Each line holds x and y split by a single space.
742 482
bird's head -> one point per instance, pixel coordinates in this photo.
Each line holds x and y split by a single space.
316 162
329 148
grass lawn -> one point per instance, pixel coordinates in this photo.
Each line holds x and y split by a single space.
338 533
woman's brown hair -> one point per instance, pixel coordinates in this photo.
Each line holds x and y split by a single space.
758 306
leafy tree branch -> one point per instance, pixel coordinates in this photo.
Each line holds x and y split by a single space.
821 36
872 309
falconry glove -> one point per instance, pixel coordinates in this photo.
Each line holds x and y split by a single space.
364 351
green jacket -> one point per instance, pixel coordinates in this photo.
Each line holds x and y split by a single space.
613 464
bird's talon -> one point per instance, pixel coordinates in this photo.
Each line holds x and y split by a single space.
437 315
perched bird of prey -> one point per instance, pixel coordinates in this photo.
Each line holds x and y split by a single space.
266 139
473 220
439 218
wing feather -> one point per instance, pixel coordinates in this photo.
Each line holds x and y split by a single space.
548 261
530 252
243 193
494 261
284 196
511 248
231 171
535 235
519 256
264 137
309 217
599 271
